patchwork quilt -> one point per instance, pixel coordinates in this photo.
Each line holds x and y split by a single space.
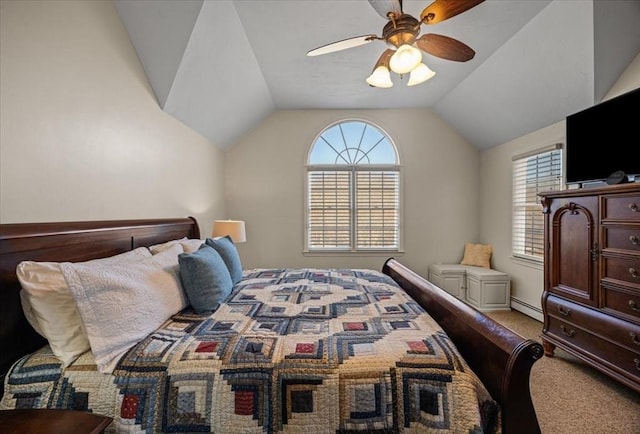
290 351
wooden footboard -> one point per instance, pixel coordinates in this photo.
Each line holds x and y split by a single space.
501 358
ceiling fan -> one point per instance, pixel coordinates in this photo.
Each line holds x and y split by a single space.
401 35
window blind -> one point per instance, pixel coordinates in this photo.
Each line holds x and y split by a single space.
375 215
531 175
377 209
329 213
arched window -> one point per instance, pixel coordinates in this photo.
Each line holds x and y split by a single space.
353 190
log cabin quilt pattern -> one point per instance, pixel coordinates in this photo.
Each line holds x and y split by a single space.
290 351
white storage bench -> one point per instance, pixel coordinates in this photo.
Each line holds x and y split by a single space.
483 288
450 277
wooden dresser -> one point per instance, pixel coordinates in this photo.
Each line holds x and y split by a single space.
591 299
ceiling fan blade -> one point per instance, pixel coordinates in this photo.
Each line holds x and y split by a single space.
383 7
384 58
441 10
342 45
445 47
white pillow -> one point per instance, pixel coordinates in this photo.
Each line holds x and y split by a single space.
189 245
50 308
120 304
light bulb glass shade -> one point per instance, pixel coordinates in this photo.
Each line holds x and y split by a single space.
233 228
420 74
405 59
380 77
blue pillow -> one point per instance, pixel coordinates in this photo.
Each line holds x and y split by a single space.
225 247
205 279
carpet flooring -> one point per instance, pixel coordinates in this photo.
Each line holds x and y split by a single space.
571 397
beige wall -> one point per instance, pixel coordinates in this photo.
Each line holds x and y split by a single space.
495 206
81 134
629 80
82 137
265 186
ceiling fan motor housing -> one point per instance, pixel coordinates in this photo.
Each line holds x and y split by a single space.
402 30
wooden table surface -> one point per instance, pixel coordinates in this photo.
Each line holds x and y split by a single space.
30 421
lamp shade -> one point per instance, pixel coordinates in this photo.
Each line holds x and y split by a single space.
380 77
405 59
233 228
420 74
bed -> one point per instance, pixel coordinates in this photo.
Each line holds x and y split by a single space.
312 356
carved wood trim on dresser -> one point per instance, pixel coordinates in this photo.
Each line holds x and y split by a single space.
591 298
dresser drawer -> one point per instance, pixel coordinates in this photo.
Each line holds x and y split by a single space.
616 330
622 207
623 303
622 238
600 351
624 269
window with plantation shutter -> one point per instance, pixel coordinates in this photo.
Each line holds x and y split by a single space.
353 190
533 173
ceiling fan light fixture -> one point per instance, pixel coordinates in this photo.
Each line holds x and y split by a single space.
405 59
420 74
400 33
380 77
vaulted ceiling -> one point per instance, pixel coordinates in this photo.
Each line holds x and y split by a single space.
221 67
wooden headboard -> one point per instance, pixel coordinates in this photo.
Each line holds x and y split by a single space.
60 242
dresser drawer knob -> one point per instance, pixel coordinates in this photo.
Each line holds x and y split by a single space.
637 362
634 306
563 311
570 333
634 273
633 207
634 338
634 240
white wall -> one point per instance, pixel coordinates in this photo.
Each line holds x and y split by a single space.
265 186
495 206
81 134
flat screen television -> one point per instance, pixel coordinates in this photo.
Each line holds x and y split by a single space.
604 139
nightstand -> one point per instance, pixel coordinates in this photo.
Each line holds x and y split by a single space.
41 421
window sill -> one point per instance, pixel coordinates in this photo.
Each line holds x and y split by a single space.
537 264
